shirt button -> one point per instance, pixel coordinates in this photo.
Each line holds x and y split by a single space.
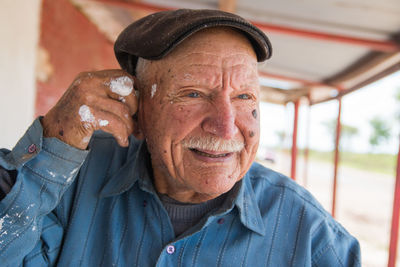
221 221
170 249
32 149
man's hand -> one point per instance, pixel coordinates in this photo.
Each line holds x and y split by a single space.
95 100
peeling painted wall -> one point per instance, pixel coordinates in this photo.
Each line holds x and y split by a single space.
19 21
52 40
69 44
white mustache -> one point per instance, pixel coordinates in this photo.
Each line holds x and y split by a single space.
212 143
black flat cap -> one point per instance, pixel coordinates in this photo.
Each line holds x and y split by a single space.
154 36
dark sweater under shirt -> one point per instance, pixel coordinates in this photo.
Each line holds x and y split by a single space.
185 215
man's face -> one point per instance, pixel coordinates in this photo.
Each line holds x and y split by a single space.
200 115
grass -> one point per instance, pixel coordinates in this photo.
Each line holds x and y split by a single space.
380 163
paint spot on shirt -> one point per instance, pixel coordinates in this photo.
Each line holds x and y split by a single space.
153 90
122 86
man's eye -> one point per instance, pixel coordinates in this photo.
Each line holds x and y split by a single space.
193 95
244 96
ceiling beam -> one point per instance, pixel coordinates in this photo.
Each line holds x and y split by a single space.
138 5
292 79
359 67
372 79
227 5
378 45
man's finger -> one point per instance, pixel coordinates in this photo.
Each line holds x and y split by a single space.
121 88
111 123
119 109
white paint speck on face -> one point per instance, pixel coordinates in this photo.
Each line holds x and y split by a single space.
122 99
122 86
103 123
153 90
86 114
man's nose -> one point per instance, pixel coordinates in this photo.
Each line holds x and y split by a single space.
221 119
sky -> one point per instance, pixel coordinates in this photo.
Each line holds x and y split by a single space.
358 108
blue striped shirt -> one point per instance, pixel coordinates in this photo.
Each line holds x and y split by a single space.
73 208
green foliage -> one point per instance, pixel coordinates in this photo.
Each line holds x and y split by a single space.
379 163
380 132
397 96
347 132
281 135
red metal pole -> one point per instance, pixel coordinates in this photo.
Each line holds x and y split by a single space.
294 141
306 148
336 159
395 217
291 79
378 45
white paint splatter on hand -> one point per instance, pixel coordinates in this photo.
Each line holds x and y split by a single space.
122 86
153 90
122 99
103 123
86 139
86 114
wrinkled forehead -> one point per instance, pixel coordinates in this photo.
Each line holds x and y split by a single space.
206 54
209 49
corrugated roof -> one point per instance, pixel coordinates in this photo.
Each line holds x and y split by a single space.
322 49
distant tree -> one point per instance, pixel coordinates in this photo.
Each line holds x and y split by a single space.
281 136
347 132
380 132
397 96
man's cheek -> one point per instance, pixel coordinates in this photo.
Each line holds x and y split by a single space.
250 124
184 115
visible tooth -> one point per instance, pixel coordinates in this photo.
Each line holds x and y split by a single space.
208 155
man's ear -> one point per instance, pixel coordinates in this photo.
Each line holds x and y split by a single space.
137 126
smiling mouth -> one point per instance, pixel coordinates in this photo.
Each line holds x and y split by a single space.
204 154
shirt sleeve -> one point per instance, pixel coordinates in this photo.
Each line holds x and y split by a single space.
7 180
334 246
44 168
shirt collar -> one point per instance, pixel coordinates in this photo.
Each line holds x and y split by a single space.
138 168
249 211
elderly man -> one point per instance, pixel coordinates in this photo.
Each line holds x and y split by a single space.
184 190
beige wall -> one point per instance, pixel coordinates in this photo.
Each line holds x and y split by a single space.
19 32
